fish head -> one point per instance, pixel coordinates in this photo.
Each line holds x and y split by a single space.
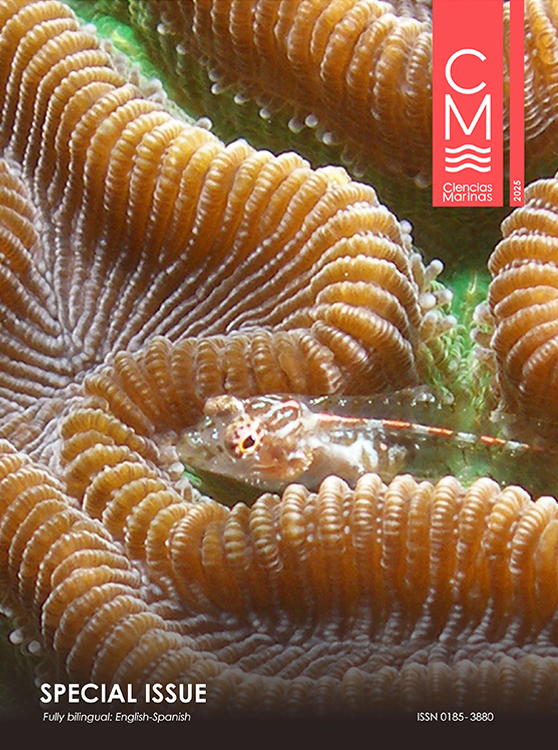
258 440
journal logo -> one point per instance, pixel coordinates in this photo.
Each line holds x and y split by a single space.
468 98
467 155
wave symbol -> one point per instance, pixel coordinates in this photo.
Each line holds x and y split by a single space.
466 152
472 146
468 165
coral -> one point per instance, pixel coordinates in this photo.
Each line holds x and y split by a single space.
360 95
346 600
272 275
358 72
146 266
523 303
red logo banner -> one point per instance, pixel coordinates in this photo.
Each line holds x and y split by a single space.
467 94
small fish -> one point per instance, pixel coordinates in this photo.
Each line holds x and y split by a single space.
270 441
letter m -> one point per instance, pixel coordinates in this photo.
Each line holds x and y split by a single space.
450 105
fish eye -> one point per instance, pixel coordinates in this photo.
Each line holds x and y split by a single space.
245 438
248 442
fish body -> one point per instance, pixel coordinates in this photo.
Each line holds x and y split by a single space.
271 441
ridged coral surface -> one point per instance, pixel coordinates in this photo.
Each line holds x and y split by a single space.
523 300
377 598
125 222
145 266
358 70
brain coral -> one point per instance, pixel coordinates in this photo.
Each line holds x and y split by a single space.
273 275
378 598
354 73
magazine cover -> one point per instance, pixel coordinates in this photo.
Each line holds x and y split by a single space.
278 361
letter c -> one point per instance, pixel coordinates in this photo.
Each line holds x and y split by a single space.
84 692
450 62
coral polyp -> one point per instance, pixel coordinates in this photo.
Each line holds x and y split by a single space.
374 580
